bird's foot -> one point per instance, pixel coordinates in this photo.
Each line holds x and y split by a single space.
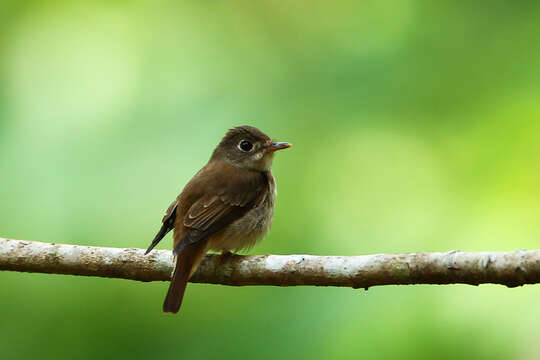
224 255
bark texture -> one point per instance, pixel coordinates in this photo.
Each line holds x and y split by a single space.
506 268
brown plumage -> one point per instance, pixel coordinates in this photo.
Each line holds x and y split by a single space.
227 206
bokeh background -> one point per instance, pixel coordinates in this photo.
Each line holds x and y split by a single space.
416 128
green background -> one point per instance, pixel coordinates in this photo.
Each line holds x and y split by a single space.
416 127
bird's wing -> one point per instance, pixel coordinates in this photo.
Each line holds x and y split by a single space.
168 225
222 206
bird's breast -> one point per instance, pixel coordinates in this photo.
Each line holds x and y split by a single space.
244 233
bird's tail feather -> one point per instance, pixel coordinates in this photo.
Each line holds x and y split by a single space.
186 264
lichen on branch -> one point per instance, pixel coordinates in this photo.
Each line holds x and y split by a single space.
506 268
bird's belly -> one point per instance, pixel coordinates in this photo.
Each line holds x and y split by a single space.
247 231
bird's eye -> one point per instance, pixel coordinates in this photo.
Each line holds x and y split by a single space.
245 145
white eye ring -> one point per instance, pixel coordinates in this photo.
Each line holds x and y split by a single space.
245 145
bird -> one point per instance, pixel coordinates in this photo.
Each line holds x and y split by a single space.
226 207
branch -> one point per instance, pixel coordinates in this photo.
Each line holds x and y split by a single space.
511 269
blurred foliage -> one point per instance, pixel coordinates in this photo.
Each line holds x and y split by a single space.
416 128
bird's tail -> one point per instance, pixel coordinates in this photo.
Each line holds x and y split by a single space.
186 264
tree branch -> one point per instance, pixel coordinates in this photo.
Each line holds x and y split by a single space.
511 269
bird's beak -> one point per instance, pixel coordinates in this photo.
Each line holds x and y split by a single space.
278 146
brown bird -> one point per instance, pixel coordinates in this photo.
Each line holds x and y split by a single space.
227 206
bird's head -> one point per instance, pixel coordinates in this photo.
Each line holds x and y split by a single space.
248 148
